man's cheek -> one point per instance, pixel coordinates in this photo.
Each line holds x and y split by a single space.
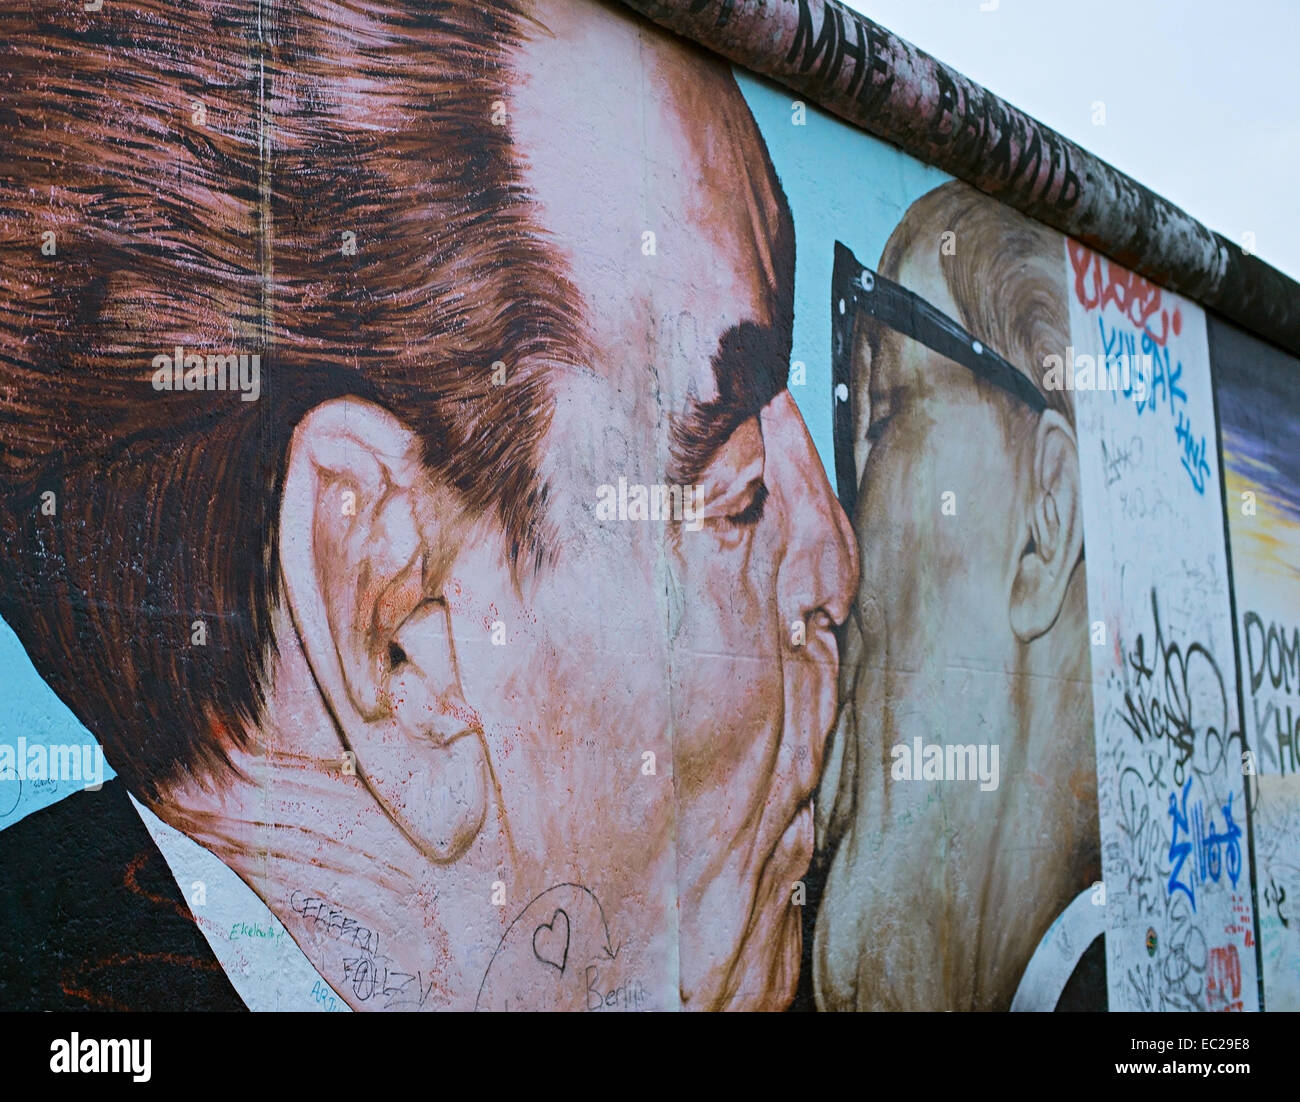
731 605
723 703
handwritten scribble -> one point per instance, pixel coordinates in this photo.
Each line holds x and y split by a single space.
1178 696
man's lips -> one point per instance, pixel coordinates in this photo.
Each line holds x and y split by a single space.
789 856
796 844
790 853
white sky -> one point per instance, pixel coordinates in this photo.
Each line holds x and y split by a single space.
1202 97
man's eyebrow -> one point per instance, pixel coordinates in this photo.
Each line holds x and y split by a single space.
749 369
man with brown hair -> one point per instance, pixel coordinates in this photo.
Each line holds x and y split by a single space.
969 640
365 638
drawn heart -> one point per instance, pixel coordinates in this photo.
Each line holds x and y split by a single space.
551 941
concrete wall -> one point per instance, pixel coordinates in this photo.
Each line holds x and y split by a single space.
656 546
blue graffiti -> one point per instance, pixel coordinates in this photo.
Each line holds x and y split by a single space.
1160 390
1194 462
1210 846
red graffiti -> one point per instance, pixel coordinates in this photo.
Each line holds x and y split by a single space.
129 879
97 1000
1223 980
1098 283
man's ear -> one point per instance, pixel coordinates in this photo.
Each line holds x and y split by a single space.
1054 530
350 549
366 538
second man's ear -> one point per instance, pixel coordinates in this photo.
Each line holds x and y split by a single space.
1053 530
367 536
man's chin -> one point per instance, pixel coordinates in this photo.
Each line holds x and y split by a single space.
764 973
767 973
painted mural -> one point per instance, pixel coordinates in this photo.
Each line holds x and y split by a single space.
962 771
1259 417
501 511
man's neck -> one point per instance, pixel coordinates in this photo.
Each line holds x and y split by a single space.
386 925
296 821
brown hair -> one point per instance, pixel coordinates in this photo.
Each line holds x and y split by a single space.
1007 277
198 165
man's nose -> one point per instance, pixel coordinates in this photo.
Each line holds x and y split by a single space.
819 571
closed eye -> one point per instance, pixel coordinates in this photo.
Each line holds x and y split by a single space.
734 493
879 421
752 513
882 409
